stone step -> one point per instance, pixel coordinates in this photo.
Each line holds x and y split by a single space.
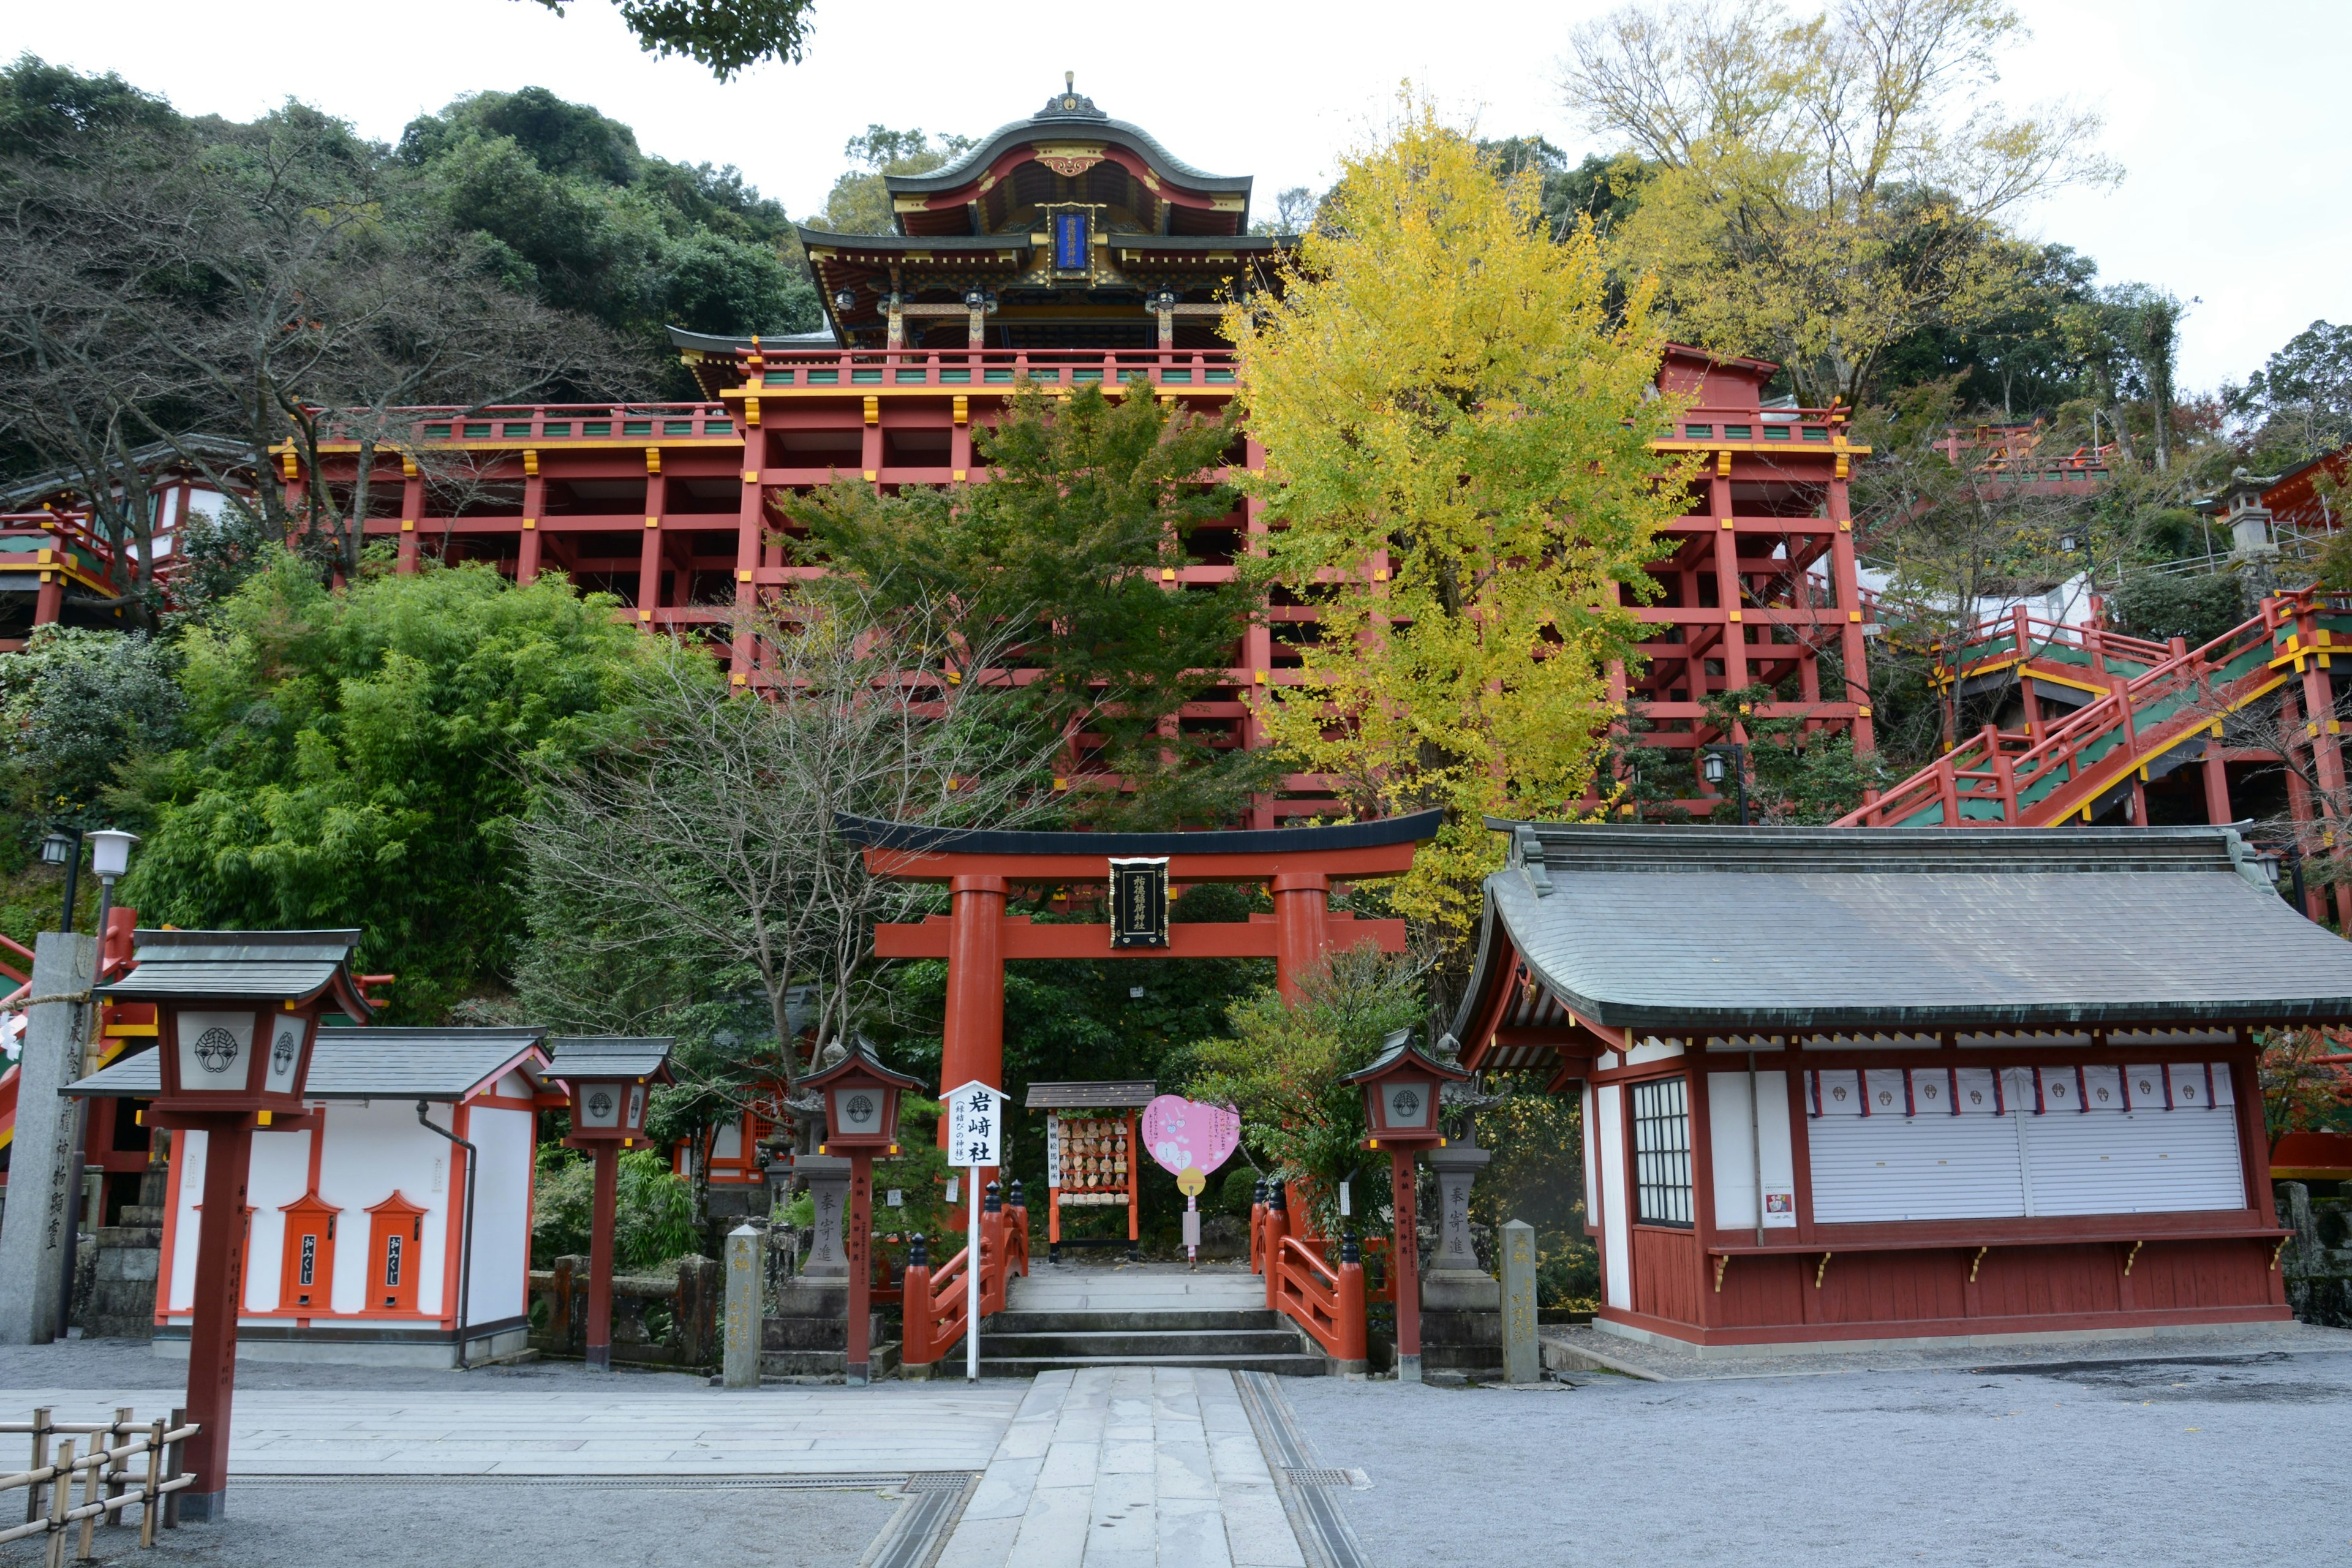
1100 1346
1293 1364
1088 1321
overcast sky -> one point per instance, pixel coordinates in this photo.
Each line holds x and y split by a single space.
2231 119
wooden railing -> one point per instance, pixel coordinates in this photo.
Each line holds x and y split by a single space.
933 1306
1325 1301
108 1471
2002 778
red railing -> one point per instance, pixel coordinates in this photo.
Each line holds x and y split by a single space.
2021 780
1324 1301
768 369
933 1304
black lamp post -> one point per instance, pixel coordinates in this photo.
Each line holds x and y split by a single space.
63 848
1713 766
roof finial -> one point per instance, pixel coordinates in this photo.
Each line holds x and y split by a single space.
1069 81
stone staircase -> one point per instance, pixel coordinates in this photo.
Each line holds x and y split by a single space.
1079 1316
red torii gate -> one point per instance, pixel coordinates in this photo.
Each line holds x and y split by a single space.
980 866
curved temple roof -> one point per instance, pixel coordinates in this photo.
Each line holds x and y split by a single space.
1746 930
1067 113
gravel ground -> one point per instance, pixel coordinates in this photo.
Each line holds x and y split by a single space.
458 1526
2210 1461
133 1363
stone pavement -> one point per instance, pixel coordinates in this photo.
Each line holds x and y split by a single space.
1127 1468
890 1429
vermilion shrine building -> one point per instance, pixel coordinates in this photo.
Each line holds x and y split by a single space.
1067 249
1987 1082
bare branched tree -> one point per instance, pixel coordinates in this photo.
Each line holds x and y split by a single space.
700 839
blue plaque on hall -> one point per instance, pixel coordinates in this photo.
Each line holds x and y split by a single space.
1073 241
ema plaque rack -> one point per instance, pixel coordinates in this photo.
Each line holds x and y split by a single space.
1092 1154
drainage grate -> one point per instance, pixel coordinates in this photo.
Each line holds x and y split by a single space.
1318 1476
937 1481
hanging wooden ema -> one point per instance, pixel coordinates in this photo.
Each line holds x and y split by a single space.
1138 901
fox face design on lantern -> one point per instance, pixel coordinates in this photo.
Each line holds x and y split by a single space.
281 1055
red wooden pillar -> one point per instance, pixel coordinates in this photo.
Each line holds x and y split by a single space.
649 555
974 1043
1404 1266
1276 1226
1301 904
599 1350
51 602
751 529
1727 581
2217 784
412 513
534 500
856 1244
212 1336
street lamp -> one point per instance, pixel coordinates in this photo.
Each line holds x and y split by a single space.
109 856
1401 1087
609 1079
861 1121
1717 761
63 848
236 1014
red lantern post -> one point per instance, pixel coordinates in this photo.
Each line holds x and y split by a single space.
861 1119
236 1013
609 1079
1400 1088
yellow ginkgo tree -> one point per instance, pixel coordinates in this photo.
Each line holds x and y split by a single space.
1456 420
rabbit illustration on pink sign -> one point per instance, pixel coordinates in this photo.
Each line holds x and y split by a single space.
1190 1140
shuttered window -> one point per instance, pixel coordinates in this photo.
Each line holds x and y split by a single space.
1662 1179
2057 1140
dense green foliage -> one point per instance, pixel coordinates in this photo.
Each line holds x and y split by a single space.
569 208
352 759
75 707
1091 503
652 1217
728 36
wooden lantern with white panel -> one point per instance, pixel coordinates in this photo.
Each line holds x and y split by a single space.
609 1080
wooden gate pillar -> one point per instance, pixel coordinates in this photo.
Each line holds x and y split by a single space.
1301 903
974 1043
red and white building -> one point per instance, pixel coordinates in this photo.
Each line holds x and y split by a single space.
359 1246
1988 1083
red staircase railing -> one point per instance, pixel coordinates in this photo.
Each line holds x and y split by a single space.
1999 778
933 1305
1324 1301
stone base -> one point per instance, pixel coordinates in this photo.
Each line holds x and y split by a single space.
1468 1343
429 1348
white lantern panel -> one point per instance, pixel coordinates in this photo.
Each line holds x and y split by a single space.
2102 1088
857 1111
1980 1092
285 1053
1885 1093
2145 1085
2188 1087
1407 1104
600 1105
637 1105
215 1052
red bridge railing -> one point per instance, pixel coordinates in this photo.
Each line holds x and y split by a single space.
1324 1301
934 1303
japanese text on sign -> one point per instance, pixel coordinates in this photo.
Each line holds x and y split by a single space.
975 1126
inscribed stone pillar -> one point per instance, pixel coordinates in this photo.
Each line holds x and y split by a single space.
1453 1278
828 1180
746 1268
44 1168
1522 1362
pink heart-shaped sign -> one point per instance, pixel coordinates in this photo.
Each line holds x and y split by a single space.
1182 1134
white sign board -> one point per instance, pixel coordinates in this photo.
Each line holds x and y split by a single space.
975 1126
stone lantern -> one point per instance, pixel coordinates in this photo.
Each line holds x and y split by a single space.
609 1079
861 1121
236 1013
1401 1087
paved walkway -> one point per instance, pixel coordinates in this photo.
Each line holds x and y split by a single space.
1127 1468
889 1429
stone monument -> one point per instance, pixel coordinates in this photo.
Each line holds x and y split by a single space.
1522 1359
745 1286
44 1168
1461 1303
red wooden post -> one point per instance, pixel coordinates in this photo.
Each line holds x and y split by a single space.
211 1337
974 1043
1278 1226
915 1353
1352 1330
857 1242
599 1352
1404 1267
534 502
1301 904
